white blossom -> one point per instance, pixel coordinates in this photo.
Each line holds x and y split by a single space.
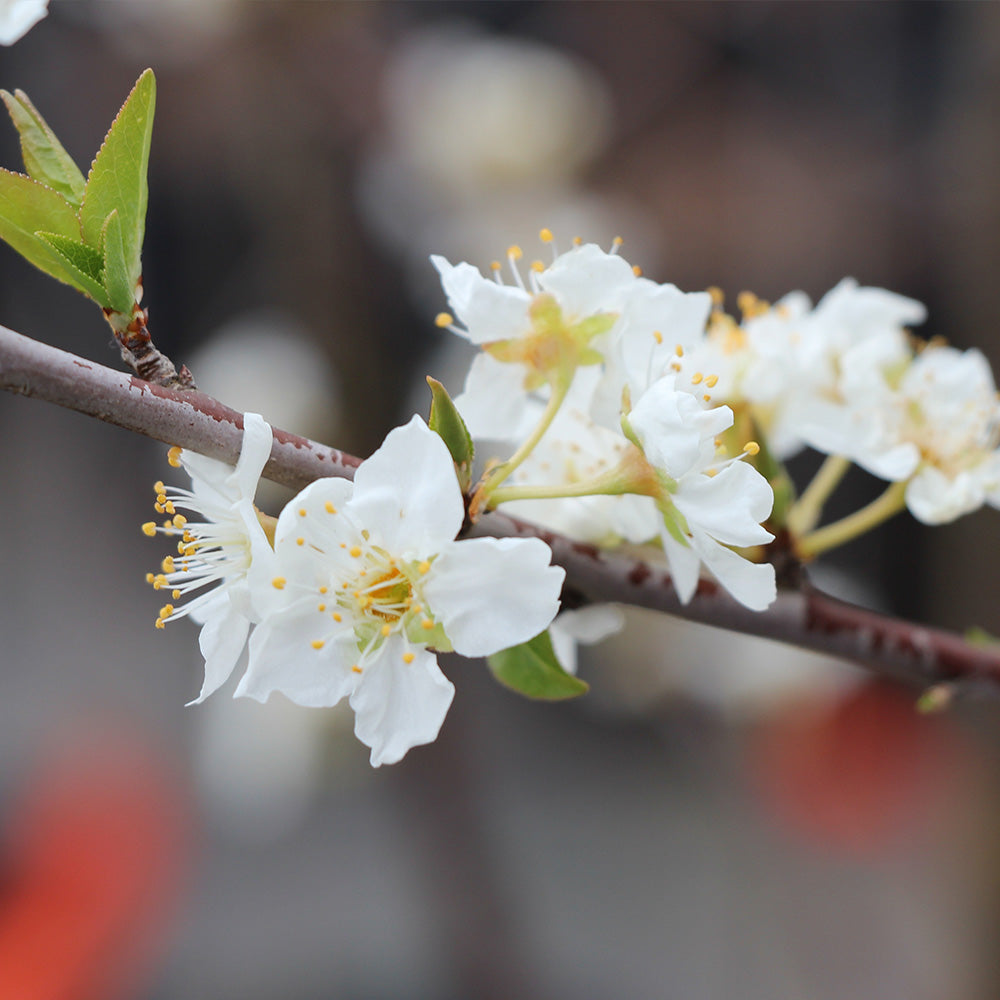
935 426
369 580
228 548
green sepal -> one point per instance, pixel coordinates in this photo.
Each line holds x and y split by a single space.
45 160
117 178
85 264
446 421
532 669
976 636
121 293
28 208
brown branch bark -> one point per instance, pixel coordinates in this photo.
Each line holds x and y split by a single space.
802 616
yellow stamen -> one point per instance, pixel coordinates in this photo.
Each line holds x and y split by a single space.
300 541
279 583
149 578
515 252
424 566
537 266
323 590
179 520
318 643
174 457
336 617
408 657
636 270
545 235
696 378
387 629
355 551
427 623
752 448
356 669
712 381
330 509
167 565
444 320
149 528
657 336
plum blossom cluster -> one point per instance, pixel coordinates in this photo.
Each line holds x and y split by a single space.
353 589
642 414
624 412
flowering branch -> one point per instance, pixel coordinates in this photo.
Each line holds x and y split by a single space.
801 615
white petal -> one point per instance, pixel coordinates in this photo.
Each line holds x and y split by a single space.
254 453
673 426
752 584
282 659
685 565
586 626
399 705
934 498
492 593
407 495
587 280
489 311
221 641
494 404
730 505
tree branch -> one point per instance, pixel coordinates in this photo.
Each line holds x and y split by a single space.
801 616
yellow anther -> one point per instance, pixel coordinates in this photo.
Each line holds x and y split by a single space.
149 578
169 507
577 240
356 669
149 528
617 242
343 545
159 581
318 643
279 583
716 294
321 608
169 525
444 320
323 590
679 350
159 508
158 487
752 448
537 266
179 520
300 541
657 336
707 398
696 378
545 235
387 629
302 512
711 473
159 623
495 265
417 608
636 270
166 611
409 657
712 381
167 565
514 252
336 617
364 602
330 509
175 594
161 497
427 623
424 566
174 457
355 551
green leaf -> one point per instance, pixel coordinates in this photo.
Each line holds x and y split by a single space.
532 669
44 157
117 179
28 209
446 421
121 291
85 263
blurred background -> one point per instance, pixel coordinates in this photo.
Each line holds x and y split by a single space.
720 817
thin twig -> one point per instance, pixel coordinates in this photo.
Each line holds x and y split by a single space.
802 616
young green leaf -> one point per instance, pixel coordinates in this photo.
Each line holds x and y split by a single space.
532 669
116 278
85 263
117 178
28 209
44 157
446 421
